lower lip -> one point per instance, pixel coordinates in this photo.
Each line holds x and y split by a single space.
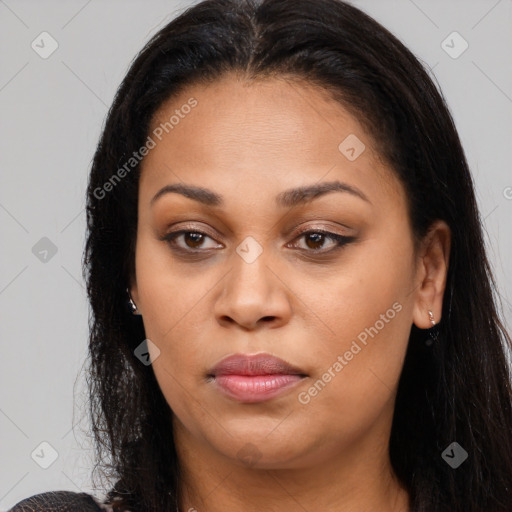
255 388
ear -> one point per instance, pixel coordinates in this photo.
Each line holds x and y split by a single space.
431 274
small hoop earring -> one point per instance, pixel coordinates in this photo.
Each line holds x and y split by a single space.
133 306
433 336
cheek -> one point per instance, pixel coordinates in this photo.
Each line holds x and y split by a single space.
171 301
362 357
374 276
358 370
167 291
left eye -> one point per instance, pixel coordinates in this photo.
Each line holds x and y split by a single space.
314 240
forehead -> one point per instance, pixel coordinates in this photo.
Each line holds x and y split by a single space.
274 131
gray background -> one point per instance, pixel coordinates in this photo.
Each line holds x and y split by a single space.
52 111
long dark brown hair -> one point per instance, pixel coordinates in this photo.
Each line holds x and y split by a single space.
455 390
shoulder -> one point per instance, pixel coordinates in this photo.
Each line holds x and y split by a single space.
60 501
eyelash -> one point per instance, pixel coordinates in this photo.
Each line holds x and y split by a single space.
340 241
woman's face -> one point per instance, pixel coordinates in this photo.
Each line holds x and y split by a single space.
246 280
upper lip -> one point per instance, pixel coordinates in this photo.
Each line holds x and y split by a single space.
256 364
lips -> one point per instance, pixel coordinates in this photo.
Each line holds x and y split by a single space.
258 364
254 378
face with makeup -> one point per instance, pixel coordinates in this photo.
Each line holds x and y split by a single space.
271 238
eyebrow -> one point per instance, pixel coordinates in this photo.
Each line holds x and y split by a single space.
288 198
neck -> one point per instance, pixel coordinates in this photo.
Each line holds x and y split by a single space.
359 479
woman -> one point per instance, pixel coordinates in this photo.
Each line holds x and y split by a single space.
292 304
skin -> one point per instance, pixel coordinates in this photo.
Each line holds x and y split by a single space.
249 141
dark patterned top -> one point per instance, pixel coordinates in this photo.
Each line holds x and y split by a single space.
61 501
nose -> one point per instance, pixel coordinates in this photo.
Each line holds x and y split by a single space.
254 295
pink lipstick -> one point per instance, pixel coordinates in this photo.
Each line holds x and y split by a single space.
254 378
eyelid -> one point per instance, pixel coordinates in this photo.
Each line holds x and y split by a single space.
317 229
339 240
327 229
170 236
323 229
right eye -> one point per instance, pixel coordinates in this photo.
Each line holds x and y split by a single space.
191 239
